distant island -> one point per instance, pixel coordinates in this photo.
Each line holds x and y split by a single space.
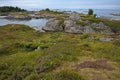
11 9
115 14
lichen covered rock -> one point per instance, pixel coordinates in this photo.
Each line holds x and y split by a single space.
53 26
74 16
71 26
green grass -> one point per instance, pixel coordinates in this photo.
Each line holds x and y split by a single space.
81 23
114 25
51 12
60 53
90 18
60 75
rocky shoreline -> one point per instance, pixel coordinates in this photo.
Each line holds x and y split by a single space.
115 14
33 14
74 24
65 22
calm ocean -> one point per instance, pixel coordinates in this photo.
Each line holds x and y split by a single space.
100 12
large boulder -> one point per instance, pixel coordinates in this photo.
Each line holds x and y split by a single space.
88 29
99 25
101 28
74 16
53 26
106 39
72 27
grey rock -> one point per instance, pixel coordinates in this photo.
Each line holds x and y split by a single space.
87 22
88 29
53 26
74 16
35 27
106 39
101 28
99 25
71 27
38 48
41 31
115 14
91 38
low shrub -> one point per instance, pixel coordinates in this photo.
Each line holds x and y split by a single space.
91 19
90 12
21 73
26 46
113 24
116 42
4 49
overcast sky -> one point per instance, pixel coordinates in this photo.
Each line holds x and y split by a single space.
58 4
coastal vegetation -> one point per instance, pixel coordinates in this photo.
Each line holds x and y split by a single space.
26 54
29 54
90 12
47 10
11 9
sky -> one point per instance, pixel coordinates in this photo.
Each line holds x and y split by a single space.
63 4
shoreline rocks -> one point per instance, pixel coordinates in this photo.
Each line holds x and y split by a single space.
74 24
115 14
21 17
71 23
70 26
53 26
74 16
106 39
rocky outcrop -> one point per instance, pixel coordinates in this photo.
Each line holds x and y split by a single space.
101 28
53 26
74 16
74 24
88 29
70 26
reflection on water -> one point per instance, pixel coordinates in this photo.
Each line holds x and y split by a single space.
37 23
